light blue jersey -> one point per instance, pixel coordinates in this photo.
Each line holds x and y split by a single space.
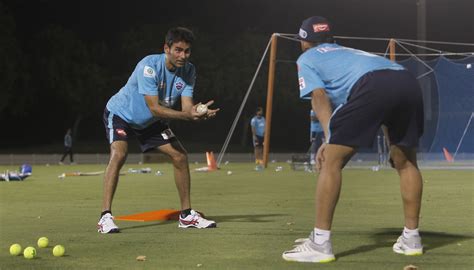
151 78
315 125
336 69
259 124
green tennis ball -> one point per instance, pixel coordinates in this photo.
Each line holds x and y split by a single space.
29 252
59 251
15 249
43 242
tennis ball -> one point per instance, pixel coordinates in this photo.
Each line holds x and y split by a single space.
201 108
29 252
59 251
43 242
15 249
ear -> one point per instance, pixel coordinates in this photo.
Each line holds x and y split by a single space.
166 48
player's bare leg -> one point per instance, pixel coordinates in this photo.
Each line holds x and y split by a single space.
317 247
411 187
329 183
182 178
188 218
411 184
118 155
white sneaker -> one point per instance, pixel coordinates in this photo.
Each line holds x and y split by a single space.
106 224
408 246
194 220
306 250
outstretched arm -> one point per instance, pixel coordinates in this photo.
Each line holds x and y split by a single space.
160 111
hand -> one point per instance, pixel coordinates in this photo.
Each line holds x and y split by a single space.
320 156
211 113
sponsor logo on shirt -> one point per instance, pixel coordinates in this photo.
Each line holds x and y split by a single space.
302 83
148 72
121 132
321 27
179 85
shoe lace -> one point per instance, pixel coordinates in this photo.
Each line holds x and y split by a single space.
106 219
305 246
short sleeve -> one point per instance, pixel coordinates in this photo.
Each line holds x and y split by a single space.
146 78
308 79
252 122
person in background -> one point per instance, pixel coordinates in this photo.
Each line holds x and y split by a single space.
67 148
258 131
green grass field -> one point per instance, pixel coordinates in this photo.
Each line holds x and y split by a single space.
259 215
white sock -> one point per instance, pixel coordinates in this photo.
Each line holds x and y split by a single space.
407 233
321 236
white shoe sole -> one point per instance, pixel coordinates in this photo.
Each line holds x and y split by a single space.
309 258
408 251
212 225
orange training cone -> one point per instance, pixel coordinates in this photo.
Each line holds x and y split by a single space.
447 155
211 161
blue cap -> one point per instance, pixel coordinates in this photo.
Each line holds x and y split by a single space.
315 29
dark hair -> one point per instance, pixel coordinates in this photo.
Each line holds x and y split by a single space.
178 34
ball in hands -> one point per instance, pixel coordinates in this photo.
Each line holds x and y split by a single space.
201 108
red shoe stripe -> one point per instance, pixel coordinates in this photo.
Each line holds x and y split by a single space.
191 222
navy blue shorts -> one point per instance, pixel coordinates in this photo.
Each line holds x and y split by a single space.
385 97
157 134
258 142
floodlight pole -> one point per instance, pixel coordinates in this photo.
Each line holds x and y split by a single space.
268 112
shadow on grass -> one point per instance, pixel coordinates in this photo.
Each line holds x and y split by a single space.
387 237
218 219
246 218
147 224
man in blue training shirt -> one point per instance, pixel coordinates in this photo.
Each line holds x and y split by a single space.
258 130
367 91
142 109
316 136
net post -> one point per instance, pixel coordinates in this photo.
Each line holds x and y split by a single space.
268 112
391 45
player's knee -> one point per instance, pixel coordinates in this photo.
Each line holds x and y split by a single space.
118 156
402 158
179 158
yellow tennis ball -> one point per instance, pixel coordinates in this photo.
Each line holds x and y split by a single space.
58 251
15 249
29 252
43 242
